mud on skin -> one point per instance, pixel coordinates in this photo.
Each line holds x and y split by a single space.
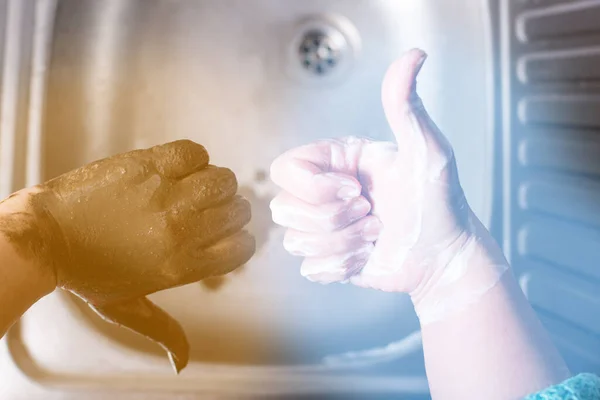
260 226
126 226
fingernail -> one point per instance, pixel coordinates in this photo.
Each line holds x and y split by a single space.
348 192
371 230
422 60
360 207
348 188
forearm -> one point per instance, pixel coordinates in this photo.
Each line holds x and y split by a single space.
22 281
494 348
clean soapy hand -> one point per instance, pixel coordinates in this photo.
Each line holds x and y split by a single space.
393 217
389 216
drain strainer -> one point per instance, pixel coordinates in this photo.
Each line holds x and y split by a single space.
319 53
323 49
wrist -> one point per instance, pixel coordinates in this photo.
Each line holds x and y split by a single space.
21 236
464 272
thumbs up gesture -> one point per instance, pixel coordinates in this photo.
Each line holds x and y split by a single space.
388 216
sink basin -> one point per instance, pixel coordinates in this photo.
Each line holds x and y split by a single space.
249 80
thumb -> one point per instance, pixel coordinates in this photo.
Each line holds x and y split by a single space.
144 317
413 129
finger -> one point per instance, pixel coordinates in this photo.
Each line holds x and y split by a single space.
179 158
143 317
318 172
203 189
197 262
412 127
389 267
131 167
336 268
212 224
366 230
291 212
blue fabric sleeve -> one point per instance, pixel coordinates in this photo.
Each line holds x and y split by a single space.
580 387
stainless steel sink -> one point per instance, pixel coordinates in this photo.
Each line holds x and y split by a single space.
248 80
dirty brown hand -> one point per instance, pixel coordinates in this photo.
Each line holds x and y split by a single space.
127 226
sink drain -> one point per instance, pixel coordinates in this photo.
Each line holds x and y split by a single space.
322 49
319 53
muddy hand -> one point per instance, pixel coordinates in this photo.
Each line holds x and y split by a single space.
127 226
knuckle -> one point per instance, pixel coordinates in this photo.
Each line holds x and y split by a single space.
193 145
293 243
210 185
275 168
226 179
182 145
277 209
308 272
355 140
131 168
241 210
183 150
324 278
322 273
289 242
273 203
